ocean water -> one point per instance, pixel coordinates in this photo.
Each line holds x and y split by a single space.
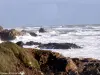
86 36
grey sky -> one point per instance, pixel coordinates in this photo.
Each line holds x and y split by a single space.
14 13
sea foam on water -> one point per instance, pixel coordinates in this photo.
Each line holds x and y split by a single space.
87 36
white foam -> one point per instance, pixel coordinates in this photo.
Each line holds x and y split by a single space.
88 37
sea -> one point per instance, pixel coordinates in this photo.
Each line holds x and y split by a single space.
86 36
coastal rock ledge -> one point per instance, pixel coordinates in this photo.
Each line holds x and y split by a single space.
15 59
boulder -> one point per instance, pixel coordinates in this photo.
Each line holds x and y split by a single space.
9 34
50 62
42 30
20 43
59 46
32 43
33 34
14 59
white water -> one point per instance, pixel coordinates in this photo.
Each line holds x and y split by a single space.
87 36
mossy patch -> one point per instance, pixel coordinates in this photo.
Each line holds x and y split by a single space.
11 54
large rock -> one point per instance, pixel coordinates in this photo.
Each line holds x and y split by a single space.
41 30
32 43
20 43
33 34
9 34
50 62
59 46
14 59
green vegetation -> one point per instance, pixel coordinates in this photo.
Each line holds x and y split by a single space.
11 55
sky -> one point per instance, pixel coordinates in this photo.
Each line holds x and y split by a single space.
15 13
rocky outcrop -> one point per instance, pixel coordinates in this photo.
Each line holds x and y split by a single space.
20 43
52 63
42 30
9 34
14 59
59 46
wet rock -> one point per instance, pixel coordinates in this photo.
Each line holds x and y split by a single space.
20 43
9 34
33 34
32 43
42 30
59 46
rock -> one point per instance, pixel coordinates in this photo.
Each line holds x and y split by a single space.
9 34
23 32
15 59
41 30
33 34
32 43
20 43
59 46
41 62
50 62
1 28
91 69
71 65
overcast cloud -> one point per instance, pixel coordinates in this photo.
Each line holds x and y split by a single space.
48 12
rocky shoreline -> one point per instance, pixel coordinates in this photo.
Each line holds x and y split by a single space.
14 58
27 61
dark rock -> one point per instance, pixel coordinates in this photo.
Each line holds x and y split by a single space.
9 34
32 43
20 43
59 46
33 34
61 73
41 30
50 62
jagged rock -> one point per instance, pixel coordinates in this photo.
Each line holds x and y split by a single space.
50 62
59 46
9 34
41 30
